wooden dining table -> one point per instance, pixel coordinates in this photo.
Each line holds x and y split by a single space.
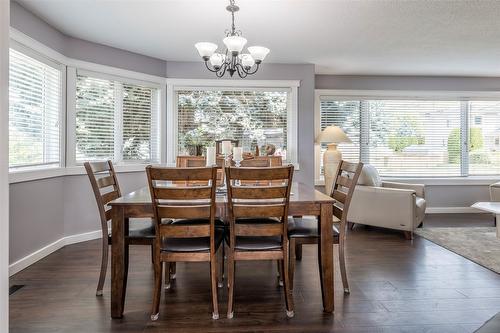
304 200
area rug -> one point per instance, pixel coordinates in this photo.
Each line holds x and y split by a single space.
477 244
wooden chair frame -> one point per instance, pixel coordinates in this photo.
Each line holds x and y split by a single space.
108 180
339 211
183 202
259 201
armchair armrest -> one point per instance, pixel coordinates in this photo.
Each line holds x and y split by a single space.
495 192
418 188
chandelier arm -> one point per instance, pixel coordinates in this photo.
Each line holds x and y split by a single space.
250 72
241 71
221 71
210 69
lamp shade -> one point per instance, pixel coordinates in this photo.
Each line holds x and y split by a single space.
247 60
217 59
258 52
333 134
235 43
205 49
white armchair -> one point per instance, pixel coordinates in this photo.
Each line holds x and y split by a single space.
390 205
495 192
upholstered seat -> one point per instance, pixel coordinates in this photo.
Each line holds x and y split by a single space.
307 226
199 244
248 243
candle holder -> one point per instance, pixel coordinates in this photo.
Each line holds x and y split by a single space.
237 163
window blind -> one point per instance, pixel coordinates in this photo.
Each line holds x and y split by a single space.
254 117
414 137
346 115
484 138
35 91
115 120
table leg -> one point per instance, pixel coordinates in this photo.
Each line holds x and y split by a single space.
498 225
325 256
119 262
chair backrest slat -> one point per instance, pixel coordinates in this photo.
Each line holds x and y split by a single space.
343 189
105 187
256 163
267 197
176 194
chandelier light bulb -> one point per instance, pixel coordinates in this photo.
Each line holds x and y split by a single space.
259 53
217 59
247 60
205 49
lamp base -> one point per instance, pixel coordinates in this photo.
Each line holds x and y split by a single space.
331 159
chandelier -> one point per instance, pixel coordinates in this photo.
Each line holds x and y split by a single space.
232 59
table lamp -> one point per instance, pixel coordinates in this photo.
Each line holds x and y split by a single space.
332 135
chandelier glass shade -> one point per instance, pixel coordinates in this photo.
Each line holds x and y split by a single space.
232 59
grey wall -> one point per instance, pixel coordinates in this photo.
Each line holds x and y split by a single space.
438 196
304 73
31 25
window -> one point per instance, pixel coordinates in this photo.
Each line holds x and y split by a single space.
417 137
35 95
255 117
115 120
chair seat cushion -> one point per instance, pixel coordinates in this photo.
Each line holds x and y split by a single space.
307 227
218 222
260 243
198 244
258 220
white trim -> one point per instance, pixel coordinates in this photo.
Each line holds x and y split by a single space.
31 175
290 86
453 210
31 258
408 94
451 181
190 83
4 165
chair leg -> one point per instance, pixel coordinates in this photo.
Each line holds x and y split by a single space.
104 266
298 251
350 225
343 271
173 270
279 277
230 282
220 263
292 254
167 271
153 253
408 235
286 287
213 280
155 312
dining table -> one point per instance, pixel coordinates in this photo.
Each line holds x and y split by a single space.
304 200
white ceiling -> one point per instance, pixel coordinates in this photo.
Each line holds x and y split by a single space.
367 37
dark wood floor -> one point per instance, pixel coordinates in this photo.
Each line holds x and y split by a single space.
397 286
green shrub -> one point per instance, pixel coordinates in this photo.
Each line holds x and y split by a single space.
475 143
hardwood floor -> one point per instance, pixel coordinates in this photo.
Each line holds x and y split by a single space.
396 286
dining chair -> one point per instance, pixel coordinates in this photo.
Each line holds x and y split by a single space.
190 235
258 221
304 230
105 186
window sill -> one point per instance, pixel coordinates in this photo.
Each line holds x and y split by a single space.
443 181
32 175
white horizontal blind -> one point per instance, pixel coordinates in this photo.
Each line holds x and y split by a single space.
346 115
116 121
140 107
484 137
95 119
35 91
414 137
254 117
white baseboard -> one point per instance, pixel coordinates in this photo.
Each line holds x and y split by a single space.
52 247
452 210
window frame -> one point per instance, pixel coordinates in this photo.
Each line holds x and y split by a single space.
72 73
462 96
291 86
54 63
